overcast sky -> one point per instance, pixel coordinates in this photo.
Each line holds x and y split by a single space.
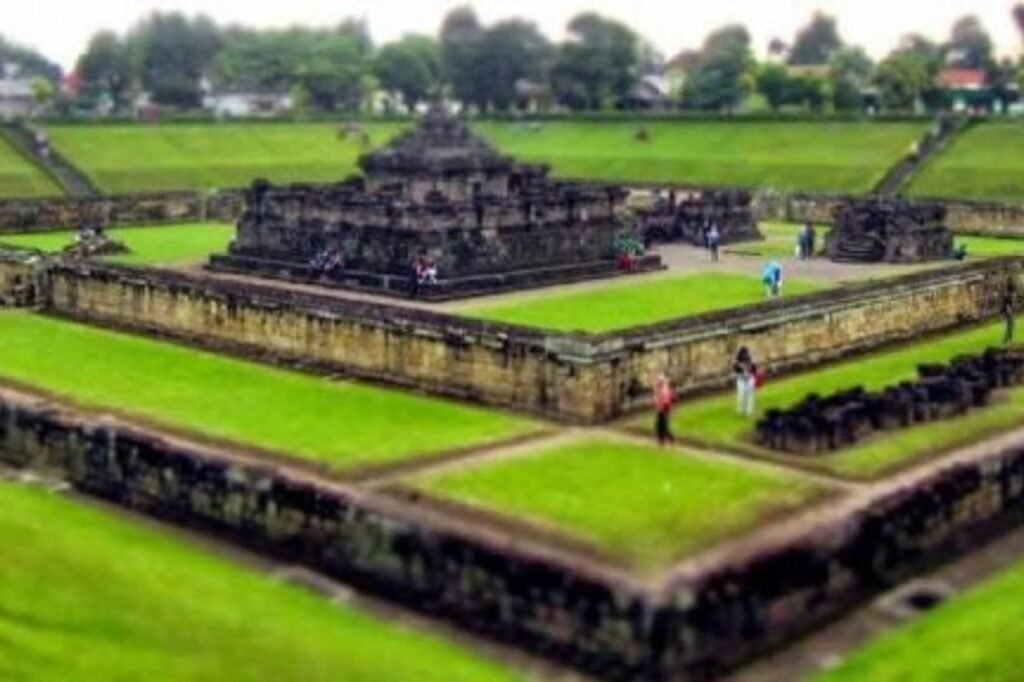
61 28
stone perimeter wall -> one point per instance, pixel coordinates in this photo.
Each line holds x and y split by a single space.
690 628
30 215
584 378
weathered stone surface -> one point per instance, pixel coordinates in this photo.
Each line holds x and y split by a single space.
688 215
890 231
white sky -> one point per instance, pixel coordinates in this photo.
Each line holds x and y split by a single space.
61 28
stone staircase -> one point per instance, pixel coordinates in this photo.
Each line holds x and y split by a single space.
934 141
70 179
857 249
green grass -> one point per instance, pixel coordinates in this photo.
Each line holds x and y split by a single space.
976 636
21 179
90 597
138 158
983 163
849 157
344 425
184 244
620 305
715 422
645 506
987 247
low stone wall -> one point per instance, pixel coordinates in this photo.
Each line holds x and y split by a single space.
695 624
590 378
20 278
27 215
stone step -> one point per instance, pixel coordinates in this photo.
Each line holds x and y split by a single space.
70 179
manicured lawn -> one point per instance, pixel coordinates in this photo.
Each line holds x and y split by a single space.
645 506
779 241
983 163
715 422
344 425
849 157
91 597
19 178
184 244
137 158
619 305
975 636
983 247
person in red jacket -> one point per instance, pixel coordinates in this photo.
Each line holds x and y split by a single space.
664 401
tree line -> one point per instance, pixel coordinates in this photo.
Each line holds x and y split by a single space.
511 64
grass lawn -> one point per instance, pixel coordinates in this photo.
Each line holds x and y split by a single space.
19 178
975 636
645 506
90 597
138 158
849 157
344 425
983 163
624 304
986 247
715 422
184 244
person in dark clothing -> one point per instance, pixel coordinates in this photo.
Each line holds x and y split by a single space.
664 401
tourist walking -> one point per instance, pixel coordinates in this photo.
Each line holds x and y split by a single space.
812 240
745 370
664 401
714 238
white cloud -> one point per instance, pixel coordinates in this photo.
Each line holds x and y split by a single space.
61 28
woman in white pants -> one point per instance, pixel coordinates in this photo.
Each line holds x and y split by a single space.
746 381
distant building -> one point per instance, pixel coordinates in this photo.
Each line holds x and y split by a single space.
653 91
234 104
17 97
967 89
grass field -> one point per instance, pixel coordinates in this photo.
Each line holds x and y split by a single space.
983 163
184 244
715 422
976 636
343 425
90 597
642 505
137 158
849 157
19 178
623 304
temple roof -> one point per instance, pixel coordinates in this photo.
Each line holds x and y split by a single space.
441 143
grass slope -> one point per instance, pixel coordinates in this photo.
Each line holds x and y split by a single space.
714 420
19 178
184 244
849 157
136 158
983 163
973 637
344 425
643 505
624 304
89 597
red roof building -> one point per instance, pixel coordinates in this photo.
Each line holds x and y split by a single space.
962 79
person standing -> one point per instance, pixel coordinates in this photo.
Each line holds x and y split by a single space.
714 239
664 401
745 371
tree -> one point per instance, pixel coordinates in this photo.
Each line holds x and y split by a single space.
105 68
816 42
850 71
28 61
723 75
970 45
1018 18
510 52
460 43
262 60
43 91
171 53
411 67
333 72
773 83
597 66
907 75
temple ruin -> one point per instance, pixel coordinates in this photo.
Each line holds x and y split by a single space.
439 213
889 231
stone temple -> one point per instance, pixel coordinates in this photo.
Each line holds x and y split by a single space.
889 231
441 200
